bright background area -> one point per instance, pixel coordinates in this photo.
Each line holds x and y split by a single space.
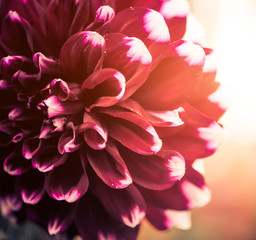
230 27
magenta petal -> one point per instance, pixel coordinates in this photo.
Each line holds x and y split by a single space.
163 219
126 205
95 135
109 166
47 158
190 192
82 54
31 192
199 138
103 88
67 182
147 25
131 57
181 72
30 147
15 164
133 131
145 170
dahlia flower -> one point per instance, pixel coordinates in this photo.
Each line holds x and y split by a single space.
105 107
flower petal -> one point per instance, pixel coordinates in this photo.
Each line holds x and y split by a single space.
199 138
103 88
95 135
147 25
131 57
180 73
132 130
94 222
145 170
109 166
126 205
31 192
82 54
67 182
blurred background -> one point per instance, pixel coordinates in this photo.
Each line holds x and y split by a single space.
230 27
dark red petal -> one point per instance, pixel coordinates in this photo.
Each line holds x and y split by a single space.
31 186
15 164
67 182
82 54
145 170
95 135
47 158
109 166
147 25
56 108
94 222
189 193
126 205
103 88
68 141
174 79
163 219
199 138
131 57
132 130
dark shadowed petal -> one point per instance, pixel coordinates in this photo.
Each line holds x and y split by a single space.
30 147
31 186
55 216
147 25
15 163
109 166
82 54
67 182
174 79
131 57
163 219
9 65
48 157
69 140
126 205
190 192
199 138
146 170
95 135
94 222
7 133
132 130
103 88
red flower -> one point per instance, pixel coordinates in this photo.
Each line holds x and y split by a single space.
104 110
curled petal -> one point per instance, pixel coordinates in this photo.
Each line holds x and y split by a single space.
56 108
131 57
109 166
68 141
132 130
82 54
130 210
145 170
15 164
67 182
198 139
46 65
31 192
9 65
181 72
103 88
30 147
64 91
95 135
147 25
